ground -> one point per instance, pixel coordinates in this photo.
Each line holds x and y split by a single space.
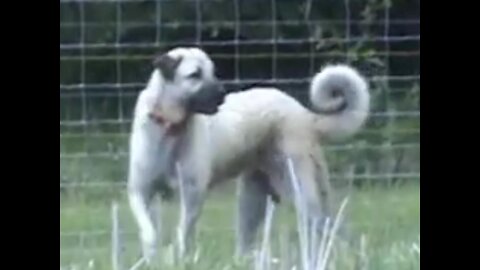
387 217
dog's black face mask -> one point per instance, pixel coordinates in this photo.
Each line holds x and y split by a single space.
207 100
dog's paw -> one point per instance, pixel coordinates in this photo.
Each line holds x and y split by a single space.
148 254
148 244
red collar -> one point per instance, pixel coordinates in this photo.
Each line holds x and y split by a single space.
170 128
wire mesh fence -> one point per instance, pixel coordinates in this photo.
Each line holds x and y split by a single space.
106 48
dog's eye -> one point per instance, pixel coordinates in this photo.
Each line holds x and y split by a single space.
196 75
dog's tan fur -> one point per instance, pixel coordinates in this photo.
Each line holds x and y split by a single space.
248 139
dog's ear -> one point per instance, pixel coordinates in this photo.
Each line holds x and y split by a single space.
167 65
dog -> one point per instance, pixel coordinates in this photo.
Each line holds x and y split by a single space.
187 128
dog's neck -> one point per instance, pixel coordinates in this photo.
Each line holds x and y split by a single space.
171 129
182 140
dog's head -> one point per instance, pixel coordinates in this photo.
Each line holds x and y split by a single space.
188 84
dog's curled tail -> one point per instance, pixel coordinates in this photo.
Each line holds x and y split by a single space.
340 98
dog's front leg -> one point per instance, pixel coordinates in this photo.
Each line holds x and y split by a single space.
139 202
192 199
143 170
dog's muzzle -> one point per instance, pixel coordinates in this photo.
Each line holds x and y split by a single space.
207 99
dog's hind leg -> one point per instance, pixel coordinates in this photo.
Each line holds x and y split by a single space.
325 187
252 198
328 199
312 173
315 191
305 173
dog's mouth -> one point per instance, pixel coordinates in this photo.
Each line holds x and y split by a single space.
207 100
207 110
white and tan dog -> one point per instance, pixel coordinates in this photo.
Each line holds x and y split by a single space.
182 117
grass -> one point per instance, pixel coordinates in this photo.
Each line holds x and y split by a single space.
388 219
